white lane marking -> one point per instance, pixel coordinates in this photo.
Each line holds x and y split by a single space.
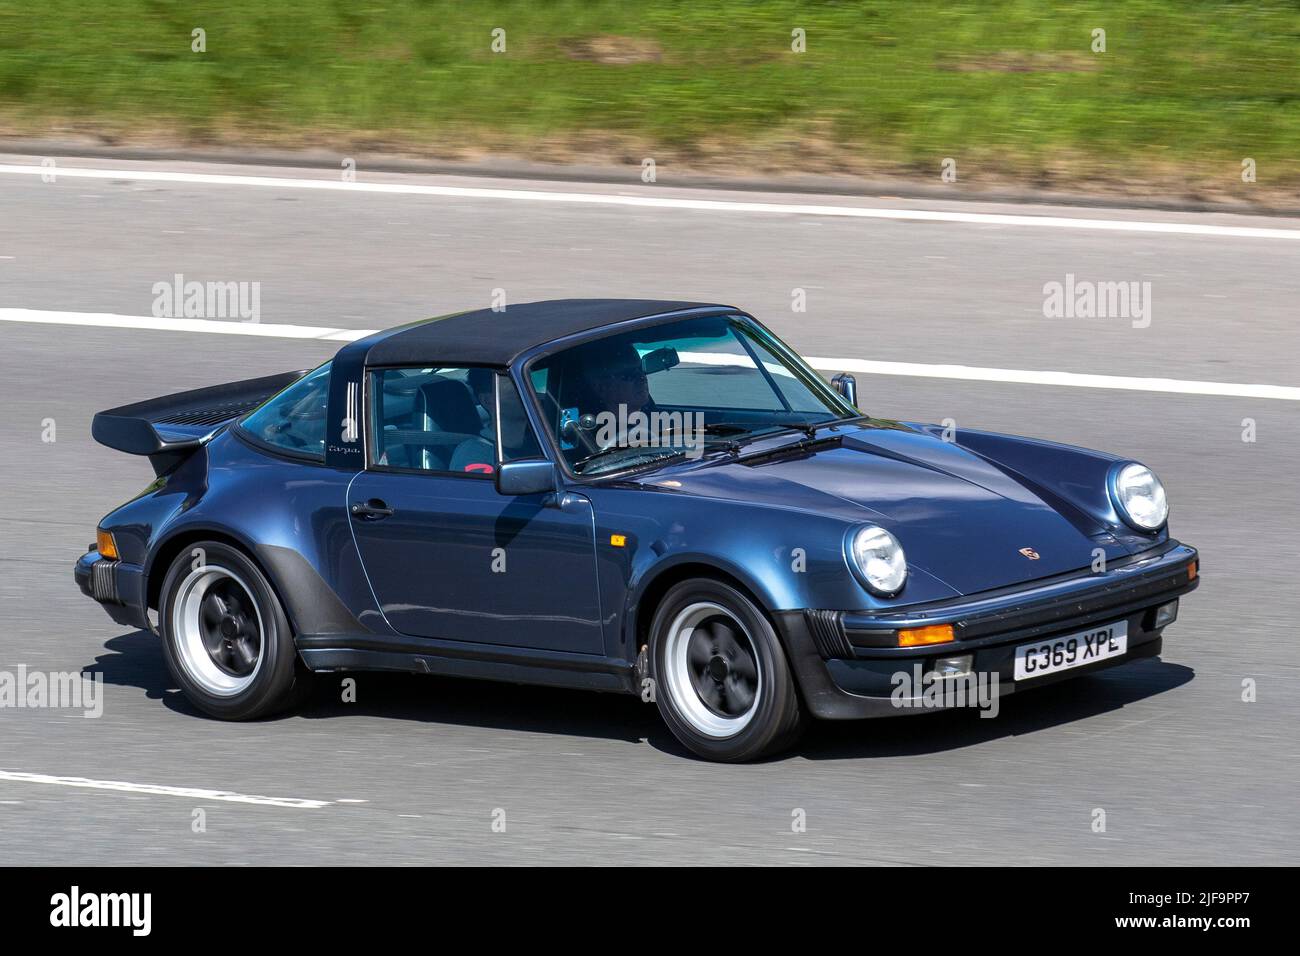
860 366
214 326
668 202
192 793
1069 379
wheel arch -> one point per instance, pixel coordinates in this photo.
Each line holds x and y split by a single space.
650 593
309 601
782 723
170 548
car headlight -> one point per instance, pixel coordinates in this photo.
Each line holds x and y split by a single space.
1140 497
879 560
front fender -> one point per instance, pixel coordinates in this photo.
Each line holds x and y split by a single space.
787 559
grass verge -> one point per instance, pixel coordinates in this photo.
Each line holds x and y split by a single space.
1013 91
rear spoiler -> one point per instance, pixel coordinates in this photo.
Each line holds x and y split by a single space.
169 428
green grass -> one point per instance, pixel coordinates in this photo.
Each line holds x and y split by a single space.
1186 89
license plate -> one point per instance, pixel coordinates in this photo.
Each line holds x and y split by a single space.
1074 650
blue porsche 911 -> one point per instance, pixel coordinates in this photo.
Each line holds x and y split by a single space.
653 498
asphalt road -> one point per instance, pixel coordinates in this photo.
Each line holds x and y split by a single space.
1186 771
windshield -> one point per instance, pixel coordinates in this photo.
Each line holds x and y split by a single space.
675 390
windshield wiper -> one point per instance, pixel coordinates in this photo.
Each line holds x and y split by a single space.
808 443
745 434
647 458
808 429
801 447
729 428
723 432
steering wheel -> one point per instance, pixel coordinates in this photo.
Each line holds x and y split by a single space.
582 432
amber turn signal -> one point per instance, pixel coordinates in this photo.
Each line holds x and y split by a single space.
931 634
1193 569
105 544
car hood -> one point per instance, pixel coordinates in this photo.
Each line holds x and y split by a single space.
958 517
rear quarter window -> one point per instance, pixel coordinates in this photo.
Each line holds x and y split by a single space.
294 420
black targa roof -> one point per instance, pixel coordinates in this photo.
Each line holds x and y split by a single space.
485 337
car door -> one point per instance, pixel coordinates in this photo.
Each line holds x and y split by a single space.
448 557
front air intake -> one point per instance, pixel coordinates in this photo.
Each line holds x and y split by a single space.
103 582
827 630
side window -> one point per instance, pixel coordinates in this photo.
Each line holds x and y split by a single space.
433 419
517 437
294 419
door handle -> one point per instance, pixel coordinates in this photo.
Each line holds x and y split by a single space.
371 510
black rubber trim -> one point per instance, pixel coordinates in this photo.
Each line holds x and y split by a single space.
115 586
275 451
523 665
1106 596
857 689
827 631
1052 617
313 606
103 582
355 659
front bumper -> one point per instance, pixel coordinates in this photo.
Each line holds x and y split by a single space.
116 585
847 662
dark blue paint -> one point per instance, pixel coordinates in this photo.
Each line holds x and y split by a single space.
962 510
459 561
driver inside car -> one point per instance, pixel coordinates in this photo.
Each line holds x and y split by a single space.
610 386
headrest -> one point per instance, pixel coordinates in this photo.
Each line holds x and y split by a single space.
450 406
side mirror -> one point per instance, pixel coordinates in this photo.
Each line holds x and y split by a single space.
534 476
846 385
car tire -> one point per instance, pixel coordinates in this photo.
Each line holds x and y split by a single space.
721 679
225 636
